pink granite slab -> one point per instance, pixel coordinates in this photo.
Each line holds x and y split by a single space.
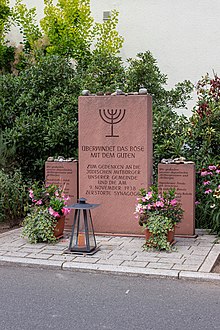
115 158
64 174
182 178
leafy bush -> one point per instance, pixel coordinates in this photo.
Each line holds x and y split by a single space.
104 72
6 51
67 29
144 70
170 130
39 113
13 198
39 226
47 207
204 130
170 133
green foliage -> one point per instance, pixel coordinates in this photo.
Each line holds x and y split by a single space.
38 226
144 71
170 133
39 113
158 226
208 198
68 27
50 197
13 198
108 41
47 207
105 72
6 52
4 18
167 124
27 22
204 130
152 202
7 156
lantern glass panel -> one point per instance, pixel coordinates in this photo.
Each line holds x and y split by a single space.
83 233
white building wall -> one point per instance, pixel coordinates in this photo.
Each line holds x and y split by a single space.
183 35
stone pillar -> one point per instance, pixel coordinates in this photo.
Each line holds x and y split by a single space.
182 178
115 158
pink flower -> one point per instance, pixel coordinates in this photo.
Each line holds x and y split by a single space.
143 199
173 202
149 195
204 173
39 202
65 211
217 171
218 186
31 193
208 191
159 204
197 202
212 167
148 206
53 213
206 183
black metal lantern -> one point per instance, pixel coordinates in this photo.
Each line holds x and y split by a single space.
82 239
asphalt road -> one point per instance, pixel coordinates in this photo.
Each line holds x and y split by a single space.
46 299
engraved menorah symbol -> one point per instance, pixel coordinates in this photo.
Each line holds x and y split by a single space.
112 117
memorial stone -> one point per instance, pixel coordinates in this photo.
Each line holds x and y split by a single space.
182 178
64 175
115 158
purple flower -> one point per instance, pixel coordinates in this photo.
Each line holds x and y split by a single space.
204 173
31 193
212 167
206 183
159 204
53 213
197 202
65 211
208 191
173 202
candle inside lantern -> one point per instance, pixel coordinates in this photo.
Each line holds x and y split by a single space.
81 239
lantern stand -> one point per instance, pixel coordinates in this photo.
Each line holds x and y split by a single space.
82 239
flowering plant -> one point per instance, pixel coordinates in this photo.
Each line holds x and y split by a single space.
47 205
164 204
50 197
208 198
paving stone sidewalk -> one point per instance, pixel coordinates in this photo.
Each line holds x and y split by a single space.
193 258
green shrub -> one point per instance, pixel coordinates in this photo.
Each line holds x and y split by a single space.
41 106
144 70
39 226
204 129
104 72
7 156
13 198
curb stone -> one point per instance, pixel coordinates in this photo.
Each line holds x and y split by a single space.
199 276
194 260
